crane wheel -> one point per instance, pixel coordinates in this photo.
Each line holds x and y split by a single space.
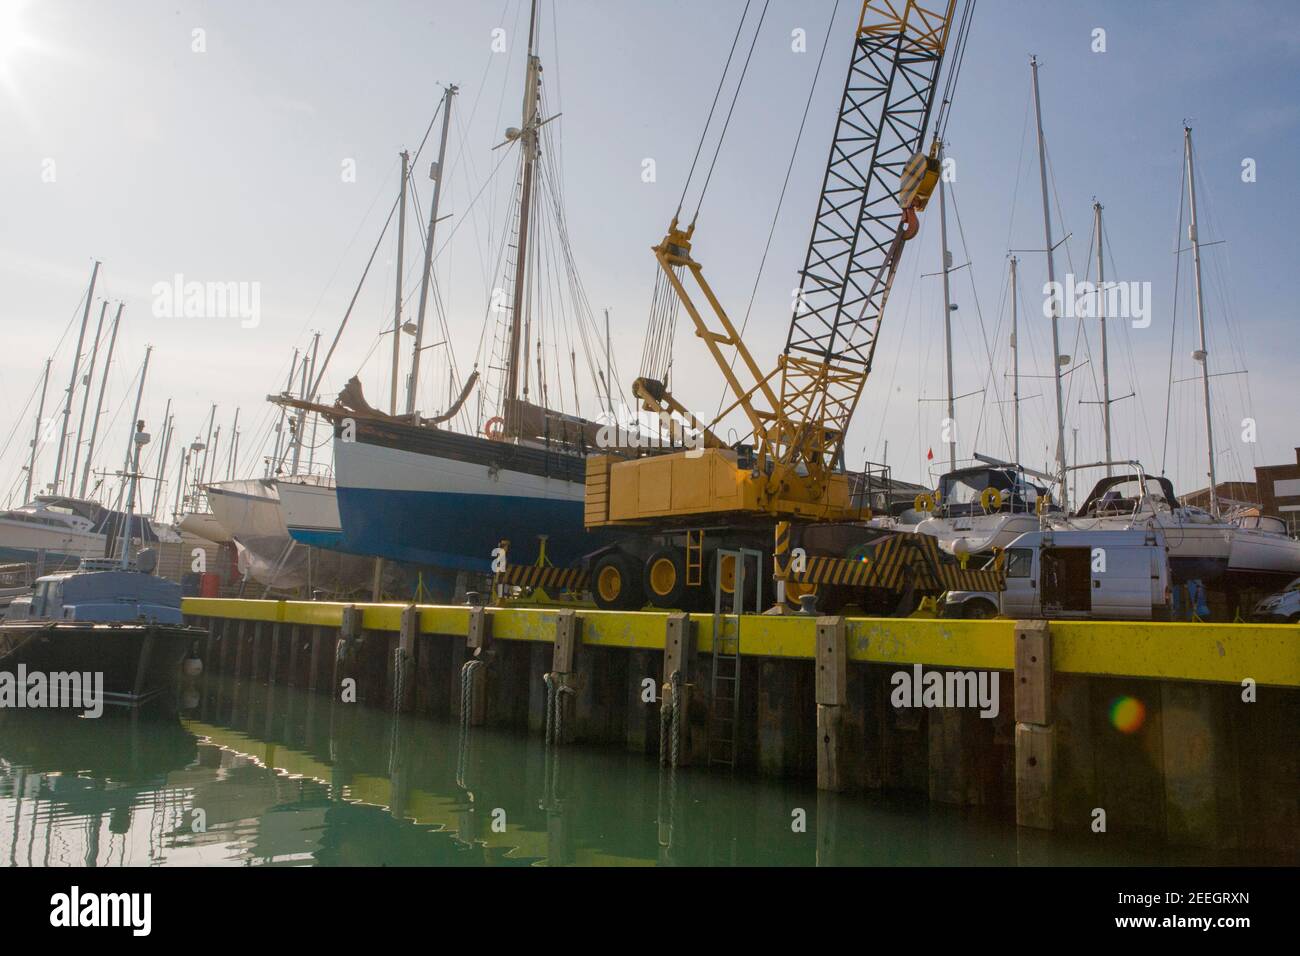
664 579
616 583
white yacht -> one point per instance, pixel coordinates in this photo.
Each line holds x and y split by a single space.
1199 543
983 507
62 529
1263 553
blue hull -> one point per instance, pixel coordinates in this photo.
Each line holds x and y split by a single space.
459 531
29 556
317 538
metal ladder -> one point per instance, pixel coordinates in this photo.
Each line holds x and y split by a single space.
695 557
724 689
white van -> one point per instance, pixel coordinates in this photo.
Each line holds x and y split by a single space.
1099 575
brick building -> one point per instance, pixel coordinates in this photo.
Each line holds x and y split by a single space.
1279 491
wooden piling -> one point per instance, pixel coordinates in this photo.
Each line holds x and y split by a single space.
345 656
405 675
478 640
563 667
680 658
831 690
1035 735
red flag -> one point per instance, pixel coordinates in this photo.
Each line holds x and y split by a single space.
929 455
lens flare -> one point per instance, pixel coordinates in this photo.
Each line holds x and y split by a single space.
1127 714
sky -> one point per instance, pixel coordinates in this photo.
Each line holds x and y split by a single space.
257 144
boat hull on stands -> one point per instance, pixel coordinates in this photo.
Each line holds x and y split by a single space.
429 497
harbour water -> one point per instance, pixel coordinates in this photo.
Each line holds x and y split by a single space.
247 774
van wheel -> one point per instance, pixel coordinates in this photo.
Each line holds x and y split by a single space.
616 583
664 579
978 610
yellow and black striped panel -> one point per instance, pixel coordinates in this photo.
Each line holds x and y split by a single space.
896 560
957 578
550 578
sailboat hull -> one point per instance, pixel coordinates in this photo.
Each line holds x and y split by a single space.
1261 559
311 513
450 503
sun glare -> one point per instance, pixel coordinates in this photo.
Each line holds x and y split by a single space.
13 37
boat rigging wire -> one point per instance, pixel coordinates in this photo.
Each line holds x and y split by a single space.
780 201
735 97
726 68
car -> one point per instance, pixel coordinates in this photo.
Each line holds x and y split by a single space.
1280 608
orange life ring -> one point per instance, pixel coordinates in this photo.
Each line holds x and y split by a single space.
495 427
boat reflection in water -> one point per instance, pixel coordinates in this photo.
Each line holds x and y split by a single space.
251 774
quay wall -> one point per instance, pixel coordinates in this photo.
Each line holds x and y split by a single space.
1186 733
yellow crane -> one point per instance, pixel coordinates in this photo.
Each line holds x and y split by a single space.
680 506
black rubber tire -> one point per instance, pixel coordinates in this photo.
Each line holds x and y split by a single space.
675 597
979 610
626 593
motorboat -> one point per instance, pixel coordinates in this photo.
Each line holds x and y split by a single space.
1199 543
981 508
121 623
59 529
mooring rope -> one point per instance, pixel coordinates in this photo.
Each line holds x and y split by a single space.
399 678
670 717
555 691
466 707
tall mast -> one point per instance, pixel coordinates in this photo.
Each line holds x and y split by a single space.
273 463
72 382
85 396
210 455
234 447
1105 354
137 441
206 449
437 175
180 484
951 423
99 402
300 421
1015 366
1051 279
36 434
397 295
311 446
1202 354
162 459
528 144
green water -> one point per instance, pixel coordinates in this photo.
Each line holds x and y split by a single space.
255 775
